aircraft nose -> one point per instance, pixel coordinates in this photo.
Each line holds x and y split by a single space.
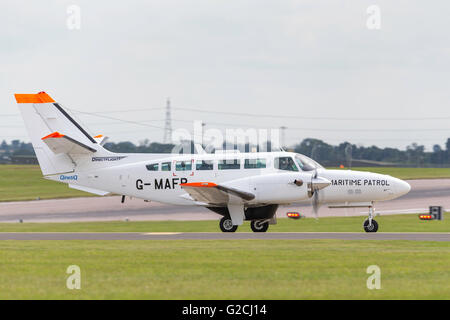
401 187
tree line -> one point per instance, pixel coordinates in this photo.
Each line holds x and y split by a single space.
345 153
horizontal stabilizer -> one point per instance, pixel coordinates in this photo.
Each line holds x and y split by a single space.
101 139
90 190
60 143
214 194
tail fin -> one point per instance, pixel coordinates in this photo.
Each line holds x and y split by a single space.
57 138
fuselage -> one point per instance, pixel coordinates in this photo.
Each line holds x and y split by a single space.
268 175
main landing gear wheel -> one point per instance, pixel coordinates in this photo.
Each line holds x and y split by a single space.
370 227
259 226
226 225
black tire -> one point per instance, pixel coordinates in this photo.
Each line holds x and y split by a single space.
258 226
226 225
372 228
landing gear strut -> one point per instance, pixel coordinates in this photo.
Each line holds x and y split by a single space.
370 225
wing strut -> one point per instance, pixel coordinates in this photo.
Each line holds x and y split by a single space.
236 213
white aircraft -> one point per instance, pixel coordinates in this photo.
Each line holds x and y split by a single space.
238 186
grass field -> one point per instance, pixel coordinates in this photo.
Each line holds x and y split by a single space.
387 223
267 269
25 182
227 269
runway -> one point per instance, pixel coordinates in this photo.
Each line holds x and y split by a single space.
423 194
223 236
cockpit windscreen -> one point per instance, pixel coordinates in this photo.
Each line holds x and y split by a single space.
305 163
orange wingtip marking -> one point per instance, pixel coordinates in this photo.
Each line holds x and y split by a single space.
98 136
40 97
199 184
53 135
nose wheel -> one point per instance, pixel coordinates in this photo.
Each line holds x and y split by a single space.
370 225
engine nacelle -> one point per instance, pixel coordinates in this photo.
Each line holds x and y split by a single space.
280 188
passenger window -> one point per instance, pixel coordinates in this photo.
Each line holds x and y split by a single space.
254 163
183 166
285 163
165 166
204 165
152 167
229 164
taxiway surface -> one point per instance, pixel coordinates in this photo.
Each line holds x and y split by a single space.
418 236
423 194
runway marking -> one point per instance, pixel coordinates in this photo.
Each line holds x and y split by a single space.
161 233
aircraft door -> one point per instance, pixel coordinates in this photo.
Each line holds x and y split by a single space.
124 180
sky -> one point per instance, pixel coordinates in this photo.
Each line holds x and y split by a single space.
331 70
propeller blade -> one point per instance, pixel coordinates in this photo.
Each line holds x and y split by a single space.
315 204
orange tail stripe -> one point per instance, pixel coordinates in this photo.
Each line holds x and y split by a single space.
53 135
40 97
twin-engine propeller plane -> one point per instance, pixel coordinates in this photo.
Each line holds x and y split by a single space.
238 186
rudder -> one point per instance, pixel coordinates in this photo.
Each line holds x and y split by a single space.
44 117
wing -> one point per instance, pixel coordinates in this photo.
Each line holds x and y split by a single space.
60 143
214 194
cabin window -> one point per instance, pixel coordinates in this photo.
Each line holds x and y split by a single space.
254 163
165 166
285 163
183 166
204 165
229 164
153 167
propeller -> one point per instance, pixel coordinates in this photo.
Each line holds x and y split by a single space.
317 183
315 197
